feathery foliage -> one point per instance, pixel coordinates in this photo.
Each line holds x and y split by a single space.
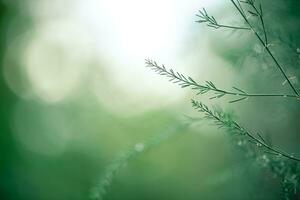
211 21
223 120
187 81
284 166
256 11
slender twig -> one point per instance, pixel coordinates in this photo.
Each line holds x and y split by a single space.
280 163
265 46
184 81
222 120
257 13
211 21
260 13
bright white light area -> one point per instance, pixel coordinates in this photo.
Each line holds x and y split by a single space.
121 34
133 29
127 32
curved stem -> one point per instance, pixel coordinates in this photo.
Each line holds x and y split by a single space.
259 141
272 149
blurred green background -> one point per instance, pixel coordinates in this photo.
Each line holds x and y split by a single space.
75 94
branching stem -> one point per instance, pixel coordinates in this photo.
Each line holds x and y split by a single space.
265 44
212 22
222 121
184 81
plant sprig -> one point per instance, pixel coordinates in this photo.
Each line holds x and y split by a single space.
223 120
212 22
281 164
187 81
258 12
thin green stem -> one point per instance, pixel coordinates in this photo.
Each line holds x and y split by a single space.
222 121
267 48
255 95
262 22
212 22
181 80
258 13
233 27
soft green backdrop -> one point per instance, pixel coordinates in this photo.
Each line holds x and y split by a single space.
72 100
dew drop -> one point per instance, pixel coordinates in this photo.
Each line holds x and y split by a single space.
258 144
139 147
240 143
